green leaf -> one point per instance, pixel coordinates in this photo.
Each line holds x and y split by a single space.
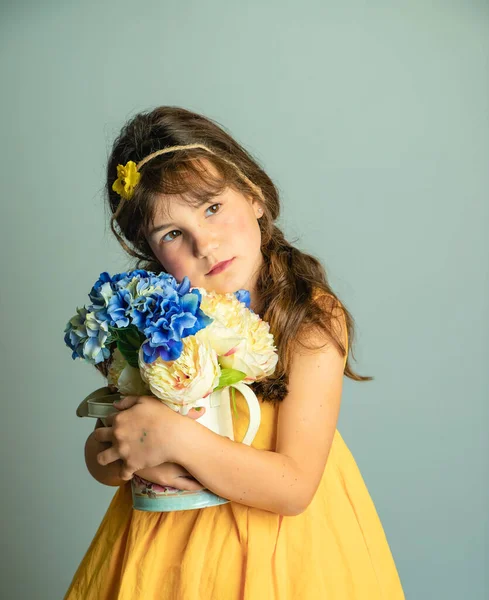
129 353
228 377
129 340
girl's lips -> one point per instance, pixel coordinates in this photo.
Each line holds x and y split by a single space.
221 267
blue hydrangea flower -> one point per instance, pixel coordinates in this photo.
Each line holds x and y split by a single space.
86 336
118 307
94 349
178 317
244 297
76 333
154 294
102 290
170 350
143 308
139 273
162 309
112 297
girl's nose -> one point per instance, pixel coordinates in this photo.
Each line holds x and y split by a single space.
204 245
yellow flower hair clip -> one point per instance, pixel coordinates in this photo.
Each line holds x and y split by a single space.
128 177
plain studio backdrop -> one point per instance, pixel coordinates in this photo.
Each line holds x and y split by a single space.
373 120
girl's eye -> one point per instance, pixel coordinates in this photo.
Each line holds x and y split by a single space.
176 230
167 234
213 207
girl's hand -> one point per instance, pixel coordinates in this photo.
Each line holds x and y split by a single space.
144 434
172 475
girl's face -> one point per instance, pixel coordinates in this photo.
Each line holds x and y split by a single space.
193 239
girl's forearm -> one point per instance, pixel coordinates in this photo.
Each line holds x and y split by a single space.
258 478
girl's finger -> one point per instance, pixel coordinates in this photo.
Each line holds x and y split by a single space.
196 412
126 475
104 434
125 402
108 456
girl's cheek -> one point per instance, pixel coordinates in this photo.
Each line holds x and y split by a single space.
238 224
169 263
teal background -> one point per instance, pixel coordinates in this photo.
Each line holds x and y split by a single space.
372 119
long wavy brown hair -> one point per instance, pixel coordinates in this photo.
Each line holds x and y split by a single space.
290 282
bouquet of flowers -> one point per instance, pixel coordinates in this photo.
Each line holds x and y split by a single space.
150 334
181 344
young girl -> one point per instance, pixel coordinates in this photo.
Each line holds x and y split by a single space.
300 523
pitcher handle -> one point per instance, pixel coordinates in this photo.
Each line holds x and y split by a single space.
255 412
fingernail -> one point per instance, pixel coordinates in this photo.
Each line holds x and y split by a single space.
198 408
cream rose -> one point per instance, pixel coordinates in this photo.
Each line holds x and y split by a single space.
239 336
189 378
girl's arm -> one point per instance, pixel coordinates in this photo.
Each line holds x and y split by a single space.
286 480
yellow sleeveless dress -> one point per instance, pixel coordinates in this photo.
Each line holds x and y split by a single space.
335 550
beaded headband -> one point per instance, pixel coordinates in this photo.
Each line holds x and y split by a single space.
128 175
